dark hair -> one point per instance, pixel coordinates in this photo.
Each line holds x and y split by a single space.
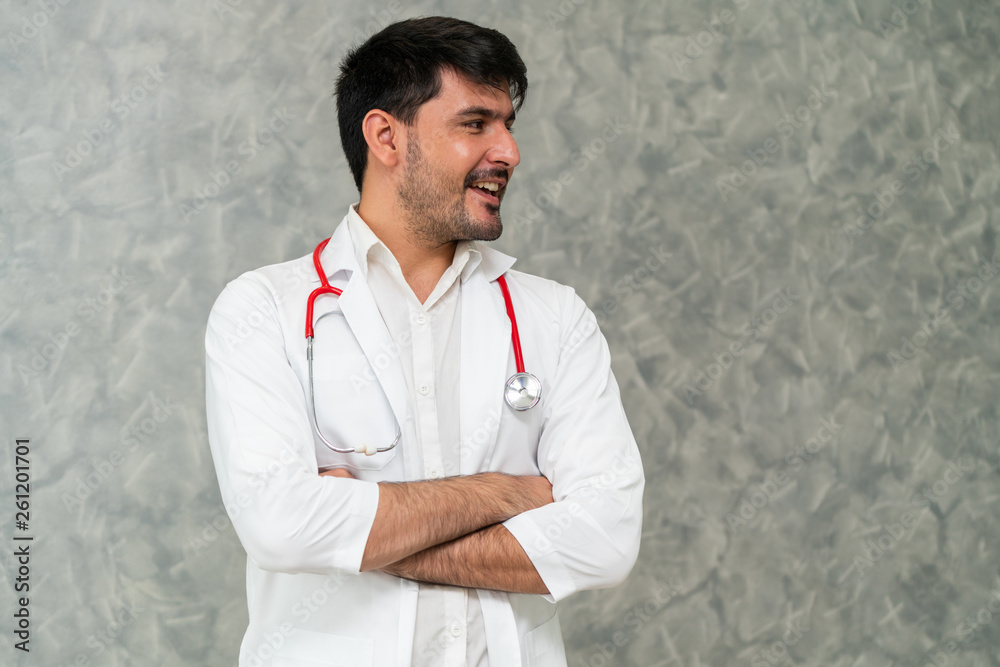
399 68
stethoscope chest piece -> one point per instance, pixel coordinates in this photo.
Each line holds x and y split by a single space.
523 391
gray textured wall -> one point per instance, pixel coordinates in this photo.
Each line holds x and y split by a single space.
812 376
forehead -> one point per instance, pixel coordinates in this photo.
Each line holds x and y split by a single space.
458 93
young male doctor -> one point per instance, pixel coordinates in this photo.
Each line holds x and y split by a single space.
451 546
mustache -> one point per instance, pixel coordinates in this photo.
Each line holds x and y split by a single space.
487 174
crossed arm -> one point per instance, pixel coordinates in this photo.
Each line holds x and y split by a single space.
448 531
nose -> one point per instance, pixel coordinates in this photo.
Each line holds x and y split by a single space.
505 151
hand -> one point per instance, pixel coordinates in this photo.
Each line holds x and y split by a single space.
537 491
337 472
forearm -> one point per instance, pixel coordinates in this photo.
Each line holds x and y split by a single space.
488 558
415 516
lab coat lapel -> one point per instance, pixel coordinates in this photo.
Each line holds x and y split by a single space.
368 326
486 351
365 320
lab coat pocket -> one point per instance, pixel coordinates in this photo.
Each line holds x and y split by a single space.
544 645
351 410
516 450
306 648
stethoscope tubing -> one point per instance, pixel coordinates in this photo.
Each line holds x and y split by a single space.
326 288
521 392
515 337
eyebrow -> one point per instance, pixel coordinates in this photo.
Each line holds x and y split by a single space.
487 112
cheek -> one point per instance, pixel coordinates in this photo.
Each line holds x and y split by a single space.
463 152
465 162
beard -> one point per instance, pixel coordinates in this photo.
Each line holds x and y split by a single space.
436 213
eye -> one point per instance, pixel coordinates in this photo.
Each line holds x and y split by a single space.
476 124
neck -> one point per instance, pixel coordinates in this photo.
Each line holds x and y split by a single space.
422 265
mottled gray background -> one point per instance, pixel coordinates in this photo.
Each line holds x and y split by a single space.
93 364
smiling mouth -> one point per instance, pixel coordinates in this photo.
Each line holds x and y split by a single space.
486 195
488 191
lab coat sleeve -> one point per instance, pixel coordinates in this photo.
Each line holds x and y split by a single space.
288 518
589 537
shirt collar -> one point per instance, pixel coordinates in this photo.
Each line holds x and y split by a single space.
369 247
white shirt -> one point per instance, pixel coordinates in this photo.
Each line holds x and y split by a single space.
309 604
449 628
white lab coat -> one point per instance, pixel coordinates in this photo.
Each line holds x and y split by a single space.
305 534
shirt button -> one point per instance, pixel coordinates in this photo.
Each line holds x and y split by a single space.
456 630
435 474
425 389
421 319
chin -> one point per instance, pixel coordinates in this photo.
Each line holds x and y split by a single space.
491 234
487 230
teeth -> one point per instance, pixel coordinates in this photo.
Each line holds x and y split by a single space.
492 187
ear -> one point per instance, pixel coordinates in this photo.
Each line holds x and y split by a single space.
381 134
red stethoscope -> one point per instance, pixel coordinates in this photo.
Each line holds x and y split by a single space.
522 391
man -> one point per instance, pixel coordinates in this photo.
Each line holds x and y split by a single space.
450 547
